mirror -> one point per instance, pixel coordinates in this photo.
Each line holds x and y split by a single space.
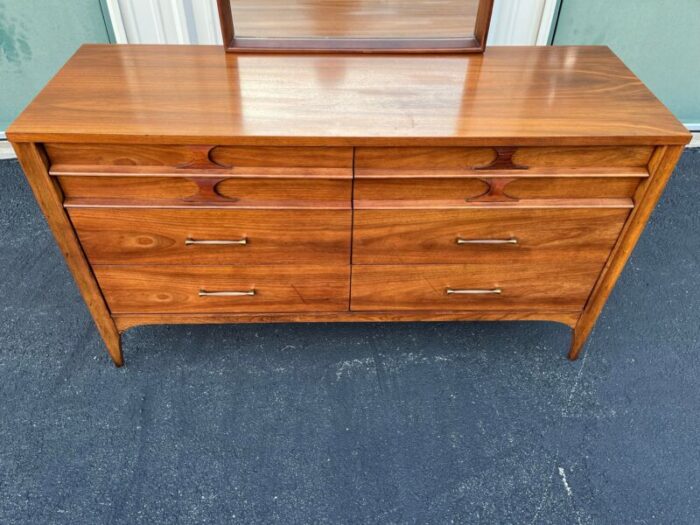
418 26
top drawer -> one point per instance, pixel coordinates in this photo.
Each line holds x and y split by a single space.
202 176
128 159
454 177
615 160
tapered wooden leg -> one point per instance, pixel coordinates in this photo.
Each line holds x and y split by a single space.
50 198
115 352
578 340
661 166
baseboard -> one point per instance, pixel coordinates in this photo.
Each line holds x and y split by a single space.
695 143
6 151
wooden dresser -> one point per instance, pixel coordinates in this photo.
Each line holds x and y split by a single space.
186 185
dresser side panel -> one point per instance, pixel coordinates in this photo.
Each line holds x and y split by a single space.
661 166
50 200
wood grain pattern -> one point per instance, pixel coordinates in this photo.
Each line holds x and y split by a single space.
588 157
468 159
126 236
572 188
48 195
661 167
524 96
175 289
400 190
184 192
495 204
455 192
430 236
564 285
127 321
416 158
172 157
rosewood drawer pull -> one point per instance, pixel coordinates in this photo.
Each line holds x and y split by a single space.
487 241
204 293
190 242
494 291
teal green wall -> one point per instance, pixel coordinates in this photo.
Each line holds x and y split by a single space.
36 38
658 39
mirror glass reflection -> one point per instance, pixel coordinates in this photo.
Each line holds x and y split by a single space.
370 19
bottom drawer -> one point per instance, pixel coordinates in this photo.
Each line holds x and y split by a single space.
561 287
222 289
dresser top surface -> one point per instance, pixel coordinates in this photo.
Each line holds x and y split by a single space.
199 94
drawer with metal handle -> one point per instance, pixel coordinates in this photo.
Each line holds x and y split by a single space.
485 236
561 286
211 237
224 289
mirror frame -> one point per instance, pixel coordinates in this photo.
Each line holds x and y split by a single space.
475 44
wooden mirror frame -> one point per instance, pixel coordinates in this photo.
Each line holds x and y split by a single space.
475 44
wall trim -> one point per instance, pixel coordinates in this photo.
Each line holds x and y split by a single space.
164 21
115 15
6 151
550 13
517 23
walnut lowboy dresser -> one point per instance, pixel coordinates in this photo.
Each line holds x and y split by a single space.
187 185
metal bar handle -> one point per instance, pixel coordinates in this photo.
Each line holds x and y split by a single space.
215 242
204 293
494 291
512 240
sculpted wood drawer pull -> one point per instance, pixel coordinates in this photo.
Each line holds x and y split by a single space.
487 241
494 291
190 242
204 293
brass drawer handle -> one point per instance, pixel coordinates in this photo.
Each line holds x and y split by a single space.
487 241
494 291
204 293
214 242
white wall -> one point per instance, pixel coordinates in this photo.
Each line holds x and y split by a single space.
514 22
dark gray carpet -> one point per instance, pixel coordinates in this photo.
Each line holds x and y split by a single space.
378 423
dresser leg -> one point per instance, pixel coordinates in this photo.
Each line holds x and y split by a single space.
578 340
50 199
661 166
115 352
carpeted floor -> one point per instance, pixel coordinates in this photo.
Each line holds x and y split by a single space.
376 423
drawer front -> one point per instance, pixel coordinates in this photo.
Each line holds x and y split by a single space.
533 236
211 237
198 192
500 176
458 159
514 192
564 286
222 289
107 158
